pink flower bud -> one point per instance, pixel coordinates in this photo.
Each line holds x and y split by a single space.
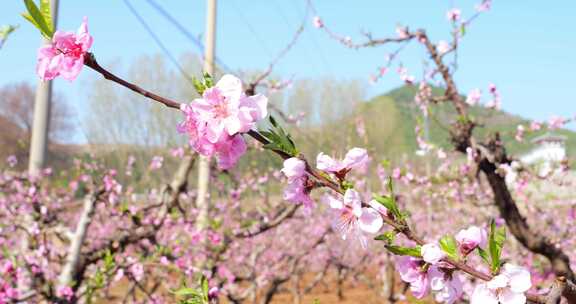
469 239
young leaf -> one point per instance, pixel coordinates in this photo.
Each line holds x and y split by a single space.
410 251
204 283
187 291
449 246
390 204
45 10
273 121
198 85
495 243
484 255
208 80
388 236
37 19
7 30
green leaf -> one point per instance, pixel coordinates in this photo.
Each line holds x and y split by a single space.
204 283
388 236
187 291
449 246
273 121
390 204
208 80
37 19
7 30
198 85
410 251
45 10
495 243
279 139
484 255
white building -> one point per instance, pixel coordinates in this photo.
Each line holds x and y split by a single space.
548 153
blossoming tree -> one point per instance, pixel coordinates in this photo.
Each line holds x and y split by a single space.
219 124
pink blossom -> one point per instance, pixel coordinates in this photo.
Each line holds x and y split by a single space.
410 270
535 126
443 47
215 121
431 253
137 270
65 292
402 32
177 152
494 103
64 56
408 79
317 22
396 173
448 287
213 293
492 88
296 191
352 218
474 96
226 110
230 151
156 162
356 158
294 168
484 6
12 161
506 288
382 71
453 14
555 122
470 238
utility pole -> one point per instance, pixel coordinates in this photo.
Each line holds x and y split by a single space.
41 118
202 202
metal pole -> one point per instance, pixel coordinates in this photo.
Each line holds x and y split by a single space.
202 202
41 119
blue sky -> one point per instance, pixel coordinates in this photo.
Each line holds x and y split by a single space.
526 48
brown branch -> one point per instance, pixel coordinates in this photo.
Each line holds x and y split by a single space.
91 62
282 215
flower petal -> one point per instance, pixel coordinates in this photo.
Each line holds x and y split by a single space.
230 86
508 296
483 295
370 221
352 199
520 280
499 281
333 202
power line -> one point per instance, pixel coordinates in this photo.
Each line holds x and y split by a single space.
157 40
185 32
251 29
288 25
318 49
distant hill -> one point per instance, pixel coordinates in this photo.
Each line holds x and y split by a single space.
390 120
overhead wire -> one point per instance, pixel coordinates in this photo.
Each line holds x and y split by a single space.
310 8
157 40
255 34
219 63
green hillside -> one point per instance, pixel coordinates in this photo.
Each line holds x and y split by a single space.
390 120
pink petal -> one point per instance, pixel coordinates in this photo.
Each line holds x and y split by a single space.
370 221
507 296
520 280
483 295
230 86
352 199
